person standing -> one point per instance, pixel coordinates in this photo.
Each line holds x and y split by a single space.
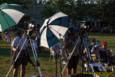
8 37
20 45
69 43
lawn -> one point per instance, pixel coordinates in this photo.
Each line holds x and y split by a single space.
47 67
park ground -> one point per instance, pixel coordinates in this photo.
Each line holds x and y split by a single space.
47 67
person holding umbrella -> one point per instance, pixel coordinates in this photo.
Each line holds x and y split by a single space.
23 58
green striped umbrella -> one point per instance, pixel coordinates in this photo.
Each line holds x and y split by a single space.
10 15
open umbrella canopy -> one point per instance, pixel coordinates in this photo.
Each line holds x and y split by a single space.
10 15
54 29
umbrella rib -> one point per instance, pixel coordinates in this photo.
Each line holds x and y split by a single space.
56 31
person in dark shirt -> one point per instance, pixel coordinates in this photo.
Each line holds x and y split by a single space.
69 44
105 52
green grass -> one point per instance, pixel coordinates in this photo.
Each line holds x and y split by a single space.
48 68
5 62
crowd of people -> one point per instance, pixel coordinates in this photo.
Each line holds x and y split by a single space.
99 51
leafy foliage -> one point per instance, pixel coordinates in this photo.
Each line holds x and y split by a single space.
104 10
27 3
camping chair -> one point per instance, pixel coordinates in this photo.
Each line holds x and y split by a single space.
95 67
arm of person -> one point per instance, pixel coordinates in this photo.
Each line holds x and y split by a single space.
14 49
14 45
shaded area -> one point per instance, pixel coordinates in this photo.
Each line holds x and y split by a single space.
5 51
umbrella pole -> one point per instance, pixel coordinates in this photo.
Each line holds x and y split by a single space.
60 53
60 65
56 63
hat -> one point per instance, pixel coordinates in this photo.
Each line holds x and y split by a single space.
105 43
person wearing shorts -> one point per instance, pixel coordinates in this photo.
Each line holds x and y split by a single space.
23 58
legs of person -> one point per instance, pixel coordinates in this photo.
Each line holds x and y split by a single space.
74 71
15 70
70 66
69 71
74 68
24 62
75 63
23 70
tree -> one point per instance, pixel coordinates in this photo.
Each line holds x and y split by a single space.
48 9
27 3
106 12
66 6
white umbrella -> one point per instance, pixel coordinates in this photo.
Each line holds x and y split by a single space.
53 29
10 15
